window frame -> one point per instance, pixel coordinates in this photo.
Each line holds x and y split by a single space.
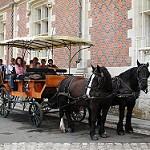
45 20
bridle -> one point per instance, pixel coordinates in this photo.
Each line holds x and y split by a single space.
100 77
140 80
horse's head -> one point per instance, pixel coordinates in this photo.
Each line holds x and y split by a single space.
142 75
99 80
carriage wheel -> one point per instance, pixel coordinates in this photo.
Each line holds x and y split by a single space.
79 113
4 102
35 114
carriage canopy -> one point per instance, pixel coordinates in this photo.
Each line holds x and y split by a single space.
46 42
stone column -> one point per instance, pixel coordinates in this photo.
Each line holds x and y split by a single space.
85 24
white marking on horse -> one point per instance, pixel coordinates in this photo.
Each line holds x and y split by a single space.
62 125
89 86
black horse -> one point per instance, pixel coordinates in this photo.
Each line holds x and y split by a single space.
127 88
76 91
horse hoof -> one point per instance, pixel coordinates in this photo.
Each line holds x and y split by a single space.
70 130
121 133
103 135
129 131
94 137
62 129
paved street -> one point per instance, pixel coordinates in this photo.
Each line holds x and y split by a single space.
17 133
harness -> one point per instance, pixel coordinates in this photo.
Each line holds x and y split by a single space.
124 94
66 92
120 93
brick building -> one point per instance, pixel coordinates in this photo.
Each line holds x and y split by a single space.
120 29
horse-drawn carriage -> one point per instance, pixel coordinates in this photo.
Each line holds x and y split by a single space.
37 88
97 93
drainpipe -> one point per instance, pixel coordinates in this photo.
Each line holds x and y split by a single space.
80 32
12 28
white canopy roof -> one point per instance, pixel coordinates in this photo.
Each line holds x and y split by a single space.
46 42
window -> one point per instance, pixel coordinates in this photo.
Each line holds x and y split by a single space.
142 30
2 27
39 13
40 21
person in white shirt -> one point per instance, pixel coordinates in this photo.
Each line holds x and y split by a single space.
11 66
11 73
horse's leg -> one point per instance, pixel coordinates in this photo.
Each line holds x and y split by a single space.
128 126
99 119
61 100
120 130
89 118
102 132
94 111
62 125
68 111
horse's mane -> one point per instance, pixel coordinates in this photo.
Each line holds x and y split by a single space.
106 72
126 76
108 84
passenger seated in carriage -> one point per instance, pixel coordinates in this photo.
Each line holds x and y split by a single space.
51 65
38 65
11 73
35 60
42 74
43 62
3 68
20 68
37 74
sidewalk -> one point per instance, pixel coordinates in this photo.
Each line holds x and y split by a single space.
139 125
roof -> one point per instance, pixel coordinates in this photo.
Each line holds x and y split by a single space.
46 42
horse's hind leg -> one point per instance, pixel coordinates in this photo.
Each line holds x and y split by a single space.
62 125
61 100
68 111
128 126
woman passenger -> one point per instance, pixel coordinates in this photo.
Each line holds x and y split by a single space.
20 68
